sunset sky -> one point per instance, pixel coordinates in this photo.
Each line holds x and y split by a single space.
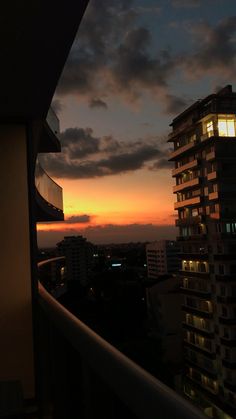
133 67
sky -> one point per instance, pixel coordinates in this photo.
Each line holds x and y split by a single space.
133 67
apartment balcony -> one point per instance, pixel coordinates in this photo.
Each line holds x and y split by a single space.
201 367
194 274
190 165
195 328
181 150
204 293
48 197
197 219
209 134
213 196
212 176
209 352
82 375
49 134
188 202
198 311
186 185
211 156
192 237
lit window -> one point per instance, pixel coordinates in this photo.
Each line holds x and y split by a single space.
209 128
226 128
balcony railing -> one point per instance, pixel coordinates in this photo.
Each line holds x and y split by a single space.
49 190
186 166
91 378
182 149
185 185
53 121
187 202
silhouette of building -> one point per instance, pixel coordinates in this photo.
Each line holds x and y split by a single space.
162 258
78 258
204 154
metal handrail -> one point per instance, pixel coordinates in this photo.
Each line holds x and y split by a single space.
146 396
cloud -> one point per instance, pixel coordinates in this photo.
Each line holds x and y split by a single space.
78 219
174 104
215 49
162 163
86 156
186 3
111 233
97 103
78 143
114 54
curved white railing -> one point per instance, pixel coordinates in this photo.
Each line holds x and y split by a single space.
145 396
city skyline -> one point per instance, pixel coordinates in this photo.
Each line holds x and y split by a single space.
136 65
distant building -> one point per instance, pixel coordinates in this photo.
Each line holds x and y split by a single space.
164 308
162 258
79 258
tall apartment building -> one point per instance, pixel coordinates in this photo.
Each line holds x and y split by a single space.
79 257
162 258
204 138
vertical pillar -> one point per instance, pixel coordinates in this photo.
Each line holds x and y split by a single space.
16 349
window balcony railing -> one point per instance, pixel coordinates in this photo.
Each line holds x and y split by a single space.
53 121
186 166
182 149
188 202
185 185
82 375
49 190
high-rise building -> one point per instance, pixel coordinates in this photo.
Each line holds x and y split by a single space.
204 138
78 257
162 258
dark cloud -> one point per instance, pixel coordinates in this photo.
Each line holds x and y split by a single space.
186 3
78 219
163 163
174 104
97 103
112 54
104 156
215 49
111 233
78 143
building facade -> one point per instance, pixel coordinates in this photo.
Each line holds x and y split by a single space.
78 253
162 258
204 155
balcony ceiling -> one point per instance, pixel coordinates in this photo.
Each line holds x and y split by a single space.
35 39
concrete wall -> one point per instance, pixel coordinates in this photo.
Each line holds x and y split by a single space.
16 349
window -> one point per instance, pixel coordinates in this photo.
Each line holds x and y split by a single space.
209 128
226 127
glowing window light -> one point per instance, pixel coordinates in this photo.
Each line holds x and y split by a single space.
226 128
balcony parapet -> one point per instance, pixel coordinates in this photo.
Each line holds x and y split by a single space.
189 220
186 185
188 202
182 150
143 394
49 190
184 167
49 139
